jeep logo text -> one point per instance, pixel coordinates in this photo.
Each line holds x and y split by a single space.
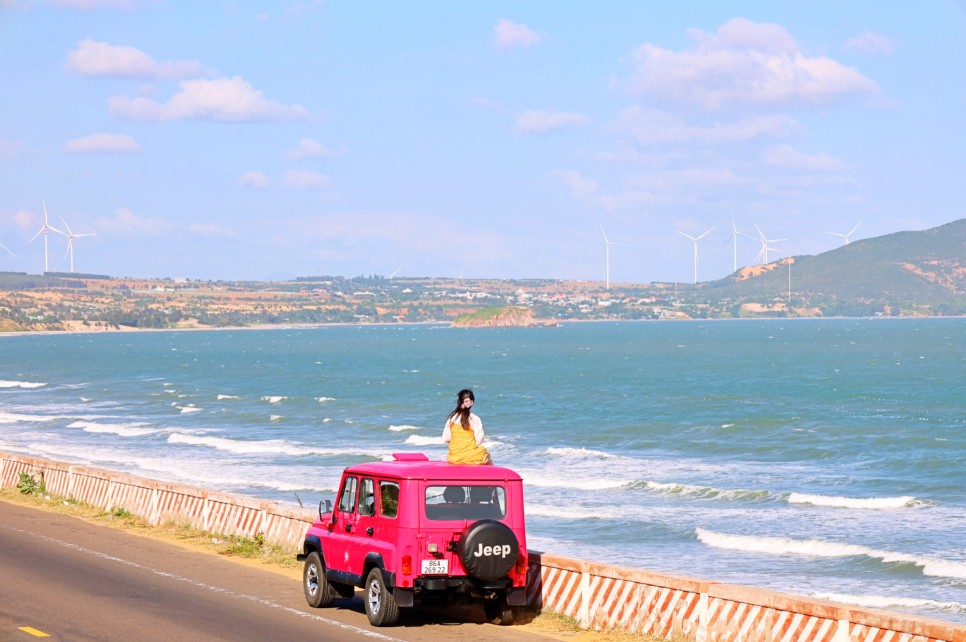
493 551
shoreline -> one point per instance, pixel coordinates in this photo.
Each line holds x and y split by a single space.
547 325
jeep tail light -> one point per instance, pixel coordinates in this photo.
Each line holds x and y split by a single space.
521 566
407 564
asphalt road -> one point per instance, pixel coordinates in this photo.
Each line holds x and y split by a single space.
70 580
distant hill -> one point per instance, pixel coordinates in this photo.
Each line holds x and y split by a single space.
924 269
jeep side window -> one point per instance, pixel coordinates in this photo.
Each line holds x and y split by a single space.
367 498
389 498
347 499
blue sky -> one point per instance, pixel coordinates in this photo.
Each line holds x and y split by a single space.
265 141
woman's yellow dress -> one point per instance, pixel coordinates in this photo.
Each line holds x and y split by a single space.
463 448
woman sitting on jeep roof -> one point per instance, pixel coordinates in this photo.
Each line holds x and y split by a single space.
463 431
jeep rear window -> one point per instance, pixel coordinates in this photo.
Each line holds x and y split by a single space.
465 502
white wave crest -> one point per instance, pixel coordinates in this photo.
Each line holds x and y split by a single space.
553 511
818 548
886 602
20 384
276 418
274 398
705 492
135 429
326 399
185 410
568 479
12 417
420 440
403 427
266 447
874 503
223 397
580 453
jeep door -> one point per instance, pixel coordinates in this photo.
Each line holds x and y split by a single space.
374 531
338 546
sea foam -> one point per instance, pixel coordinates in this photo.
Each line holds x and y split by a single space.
21 384
887 602
265 447
421 440
134 429
819 548
874 503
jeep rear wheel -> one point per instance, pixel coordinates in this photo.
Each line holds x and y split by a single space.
314 584
488 550
381 608
498 611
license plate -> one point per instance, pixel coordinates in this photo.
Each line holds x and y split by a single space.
435 567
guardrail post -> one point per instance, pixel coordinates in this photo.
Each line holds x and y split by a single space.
703 634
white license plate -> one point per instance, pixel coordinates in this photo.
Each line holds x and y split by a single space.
435 567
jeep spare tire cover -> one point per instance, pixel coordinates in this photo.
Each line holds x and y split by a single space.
488 550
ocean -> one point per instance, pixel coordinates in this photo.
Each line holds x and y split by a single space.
823 458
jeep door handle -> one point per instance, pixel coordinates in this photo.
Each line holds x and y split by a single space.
348 528
369 531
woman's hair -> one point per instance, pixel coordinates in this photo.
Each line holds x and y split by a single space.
461 412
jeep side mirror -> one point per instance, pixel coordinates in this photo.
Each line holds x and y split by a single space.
325 506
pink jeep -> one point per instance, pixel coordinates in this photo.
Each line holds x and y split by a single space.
414 530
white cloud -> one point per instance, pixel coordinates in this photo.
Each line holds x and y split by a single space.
308 148
24 219
94 5
508 34
222 100
785 157
10 148
871 43
577 184
743 63
650 127
253 179
127 223
93 58
306 179
542 121
103 143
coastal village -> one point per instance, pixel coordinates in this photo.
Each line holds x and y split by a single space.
78 302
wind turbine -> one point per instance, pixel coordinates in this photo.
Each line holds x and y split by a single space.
45 230
734 238
762 256
846 236
607 244
695 241
70 241
394 273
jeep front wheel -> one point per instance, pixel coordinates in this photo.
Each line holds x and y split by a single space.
314 584
381 608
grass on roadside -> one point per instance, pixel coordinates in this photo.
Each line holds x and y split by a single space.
271 555
228 545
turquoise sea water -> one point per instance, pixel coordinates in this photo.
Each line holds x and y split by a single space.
818 457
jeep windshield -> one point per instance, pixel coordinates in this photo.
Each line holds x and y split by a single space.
465 502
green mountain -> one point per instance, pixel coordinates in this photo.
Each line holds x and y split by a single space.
906 272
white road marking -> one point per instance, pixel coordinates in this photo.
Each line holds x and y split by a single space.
209 587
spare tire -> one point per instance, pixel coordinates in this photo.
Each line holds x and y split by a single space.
488 550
